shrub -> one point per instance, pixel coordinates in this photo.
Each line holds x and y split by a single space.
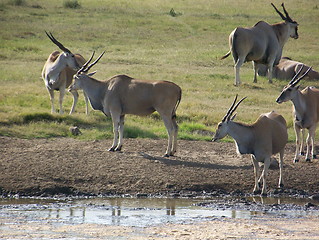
173 13
71 4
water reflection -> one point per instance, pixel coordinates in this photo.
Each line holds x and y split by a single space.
116 211
116 206
126 211
73 214
170 207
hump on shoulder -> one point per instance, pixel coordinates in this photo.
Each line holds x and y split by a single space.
272 115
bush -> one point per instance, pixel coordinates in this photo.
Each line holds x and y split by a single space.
72 4
173 13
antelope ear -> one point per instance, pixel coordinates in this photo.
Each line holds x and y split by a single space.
91 74
233 117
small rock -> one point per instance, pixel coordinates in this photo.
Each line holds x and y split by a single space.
278 190
141 195
315 197
75 131
308 205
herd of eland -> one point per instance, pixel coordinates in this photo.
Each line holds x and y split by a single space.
262 44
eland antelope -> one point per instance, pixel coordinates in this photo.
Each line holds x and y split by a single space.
58 74
287 69
262 43
305 110
267 136
122 95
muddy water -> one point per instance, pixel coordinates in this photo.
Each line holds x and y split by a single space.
142 212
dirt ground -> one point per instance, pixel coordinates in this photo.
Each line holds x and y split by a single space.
220 228
70 166
45 167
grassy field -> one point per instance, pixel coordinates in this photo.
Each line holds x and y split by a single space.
179 41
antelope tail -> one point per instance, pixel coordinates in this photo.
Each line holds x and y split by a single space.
225 56
177 103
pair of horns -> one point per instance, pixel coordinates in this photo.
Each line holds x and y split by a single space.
56 42
232 108
285 18
295 80
85 67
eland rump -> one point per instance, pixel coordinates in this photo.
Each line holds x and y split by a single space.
263 43
122 95
305 110
58 73
262 139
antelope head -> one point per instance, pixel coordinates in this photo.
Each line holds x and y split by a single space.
68 57
83 72
290 91
223 126
293 29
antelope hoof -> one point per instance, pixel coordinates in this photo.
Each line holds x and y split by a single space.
256 192
302 153
296 160
281 186
314 156
112 149
263 194
166 155
118 149
308 160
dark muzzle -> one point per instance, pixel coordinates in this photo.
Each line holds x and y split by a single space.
278 101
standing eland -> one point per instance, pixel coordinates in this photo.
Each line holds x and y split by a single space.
122 95
262 139
306 113
58 74
262 43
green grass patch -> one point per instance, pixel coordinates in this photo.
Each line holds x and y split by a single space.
159 40
17 2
